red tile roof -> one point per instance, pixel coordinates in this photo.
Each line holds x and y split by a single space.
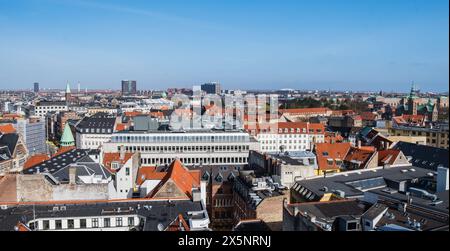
327 151
303 128
35 160
20 227
109 158
388 156
63 150
184 179
149 173
360 155
305 111
121 127
133 114
7 128
368 116
179 224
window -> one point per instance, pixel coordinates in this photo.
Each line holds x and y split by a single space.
127 171
46 225
352 226
130 221
95 222
107 222
118 221
58 224
70 224
82 223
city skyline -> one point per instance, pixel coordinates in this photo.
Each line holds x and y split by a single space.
344 45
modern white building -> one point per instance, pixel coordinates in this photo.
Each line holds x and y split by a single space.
290 136
93 131
193 147
43 107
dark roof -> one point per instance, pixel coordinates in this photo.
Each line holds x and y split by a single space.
52 103
58 165
212 173
84 168
98 121
154 212
427 157
332 209
352 183
10 141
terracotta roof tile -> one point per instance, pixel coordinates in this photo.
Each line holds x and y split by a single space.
109 158
184 179
35 160
332 152
387 156
7 128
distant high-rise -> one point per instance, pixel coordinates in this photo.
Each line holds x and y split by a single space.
211 88
129 87
36 87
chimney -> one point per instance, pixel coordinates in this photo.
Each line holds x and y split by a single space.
72 175
122 153
358 143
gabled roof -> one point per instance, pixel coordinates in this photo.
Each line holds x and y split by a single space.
388 156
327 151
182 177
109 158
179 224
360 156
149 173
427 157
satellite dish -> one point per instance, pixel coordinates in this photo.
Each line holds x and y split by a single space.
160 227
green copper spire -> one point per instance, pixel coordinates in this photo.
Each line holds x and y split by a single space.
67 137
68 88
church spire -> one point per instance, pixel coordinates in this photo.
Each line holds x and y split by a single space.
67 88
67 137
68 95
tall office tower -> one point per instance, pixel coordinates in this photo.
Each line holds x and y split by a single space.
33 133
36 87
211 88
129 87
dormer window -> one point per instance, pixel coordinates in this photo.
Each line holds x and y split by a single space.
115 165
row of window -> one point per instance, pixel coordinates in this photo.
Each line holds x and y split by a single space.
196 161
82 223
96 130
174 149
178 138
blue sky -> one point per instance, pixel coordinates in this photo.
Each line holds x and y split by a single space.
247 44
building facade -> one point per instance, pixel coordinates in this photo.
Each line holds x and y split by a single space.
34 135
205 147
129 87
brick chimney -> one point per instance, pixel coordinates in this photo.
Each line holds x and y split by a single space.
122 153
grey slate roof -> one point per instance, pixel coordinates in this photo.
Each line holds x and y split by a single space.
424 156
59 166
10 141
